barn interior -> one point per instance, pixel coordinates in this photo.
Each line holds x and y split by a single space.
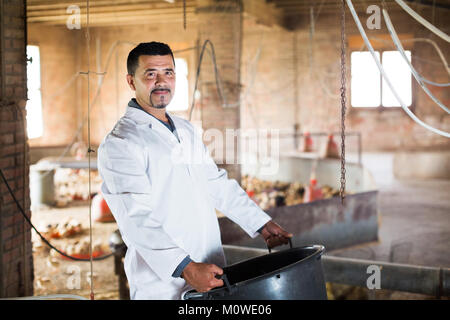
310 125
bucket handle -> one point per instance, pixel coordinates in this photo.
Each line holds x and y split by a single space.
290 245
205 295
227 283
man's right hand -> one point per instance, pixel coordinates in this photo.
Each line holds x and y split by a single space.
202 276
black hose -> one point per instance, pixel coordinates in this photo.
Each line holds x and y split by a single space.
41 236
216 72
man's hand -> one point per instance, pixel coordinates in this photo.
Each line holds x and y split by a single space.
274 235
201 276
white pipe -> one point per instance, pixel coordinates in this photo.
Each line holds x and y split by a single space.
380 67
435 83
424 22
439 52
441 56
402 52
436 47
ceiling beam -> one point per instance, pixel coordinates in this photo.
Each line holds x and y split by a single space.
104 11
265 13
166 14
131 9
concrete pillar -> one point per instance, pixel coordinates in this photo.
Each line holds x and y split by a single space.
221 23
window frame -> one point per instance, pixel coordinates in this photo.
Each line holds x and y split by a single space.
39 90
191 59
355 44
187 81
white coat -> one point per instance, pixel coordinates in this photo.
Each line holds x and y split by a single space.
163 200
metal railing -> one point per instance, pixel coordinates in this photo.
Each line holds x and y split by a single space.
433 281
296 136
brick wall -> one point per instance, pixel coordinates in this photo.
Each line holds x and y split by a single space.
16 261
60 109
287 81
269 95
221 23
65 52
279 87
115 43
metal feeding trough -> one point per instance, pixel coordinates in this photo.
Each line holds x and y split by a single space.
293 274
323 221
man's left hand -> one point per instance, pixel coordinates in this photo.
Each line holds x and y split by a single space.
274 235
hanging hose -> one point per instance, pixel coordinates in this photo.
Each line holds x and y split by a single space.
424 22
438 51
216 72
39 234
380 67
417 76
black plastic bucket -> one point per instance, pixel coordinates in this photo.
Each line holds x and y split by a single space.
293 274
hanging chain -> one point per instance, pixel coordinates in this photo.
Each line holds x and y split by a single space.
88 40
184 14
343 103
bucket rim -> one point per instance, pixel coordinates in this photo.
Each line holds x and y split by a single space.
319 250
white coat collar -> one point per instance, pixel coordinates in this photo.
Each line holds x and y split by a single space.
140 117
135 112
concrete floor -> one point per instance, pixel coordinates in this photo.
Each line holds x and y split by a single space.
415 219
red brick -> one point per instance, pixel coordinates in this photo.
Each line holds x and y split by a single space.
12 274
7 138
13 80
11 173
7 197
13 56
14 242
7 221
14 33
8 126
7 233
19 92
12 140
13 184
8 45
14 8
7 162
10 149
18 68
9 92
6 114
17 22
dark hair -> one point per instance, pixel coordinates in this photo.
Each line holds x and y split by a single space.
146 48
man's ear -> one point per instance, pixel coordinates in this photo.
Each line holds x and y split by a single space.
130 80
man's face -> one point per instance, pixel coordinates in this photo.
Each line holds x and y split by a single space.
154 80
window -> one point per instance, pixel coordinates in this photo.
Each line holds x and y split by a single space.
35 126
181 99
368 89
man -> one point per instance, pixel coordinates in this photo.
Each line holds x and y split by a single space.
164 205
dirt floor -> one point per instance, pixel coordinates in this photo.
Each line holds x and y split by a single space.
63 276
415 229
